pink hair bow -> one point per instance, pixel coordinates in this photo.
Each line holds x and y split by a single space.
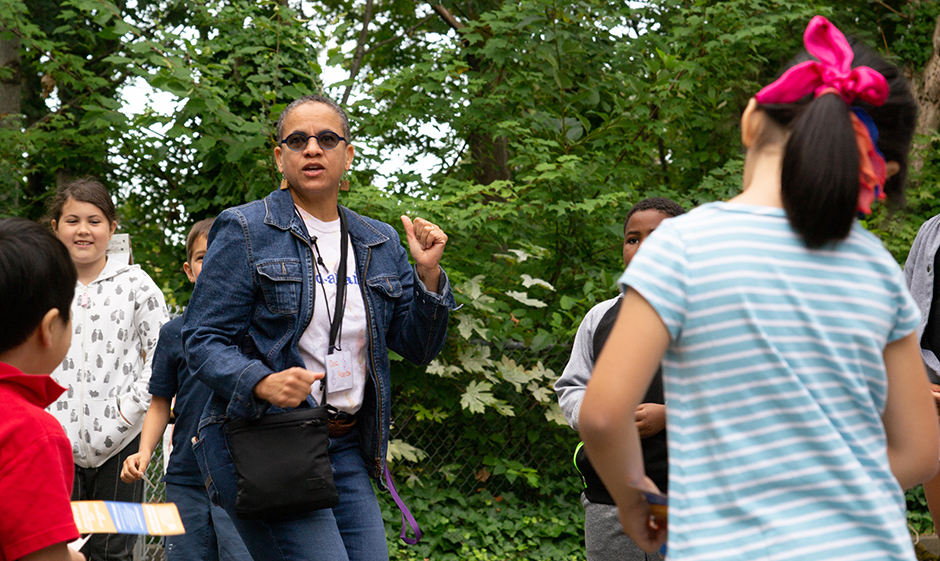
834 70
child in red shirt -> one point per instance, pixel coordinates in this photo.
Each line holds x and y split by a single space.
37 283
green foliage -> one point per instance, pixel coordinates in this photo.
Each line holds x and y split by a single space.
594 110
232 66
526 130
485 527
918 517
897 228
65 50
247 60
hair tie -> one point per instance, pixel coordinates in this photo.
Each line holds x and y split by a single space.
872 171
833 70
826 90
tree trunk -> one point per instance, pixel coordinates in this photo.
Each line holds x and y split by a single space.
926 89
490 155
490 158
11 88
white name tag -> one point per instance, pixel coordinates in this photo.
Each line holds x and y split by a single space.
339 371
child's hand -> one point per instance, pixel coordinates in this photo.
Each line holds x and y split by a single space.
936 395
135 466
650 419
638 522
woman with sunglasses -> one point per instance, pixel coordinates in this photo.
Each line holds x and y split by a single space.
264 318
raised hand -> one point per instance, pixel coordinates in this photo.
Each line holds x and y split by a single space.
426 242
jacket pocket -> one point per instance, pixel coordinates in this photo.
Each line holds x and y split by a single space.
281 282
388 291
389 286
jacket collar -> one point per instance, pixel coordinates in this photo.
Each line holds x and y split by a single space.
279 213
40 390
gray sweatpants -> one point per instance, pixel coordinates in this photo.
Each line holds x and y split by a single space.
604 539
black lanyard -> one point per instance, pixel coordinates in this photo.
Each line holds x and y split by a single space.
336 321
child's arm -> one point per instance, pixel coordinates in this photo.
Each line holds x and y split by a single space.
573 380
158 416
932 494
57 552
910 416
621 376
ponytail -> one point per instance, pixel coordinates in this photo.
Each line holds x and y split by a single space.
821 185
819 177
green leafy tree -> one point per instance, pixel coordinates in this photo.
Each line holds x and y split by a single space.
525 129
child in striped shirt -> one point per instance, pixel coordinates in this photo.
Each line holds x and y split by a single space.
798 408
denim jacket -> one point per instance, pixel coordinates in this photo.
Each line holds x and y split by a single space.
254 299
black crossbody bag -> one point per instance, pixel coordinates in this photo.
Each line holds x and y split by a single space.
281 460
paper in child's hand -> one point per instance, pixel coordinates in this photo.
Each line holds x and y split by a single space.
77 544
659 505
112 517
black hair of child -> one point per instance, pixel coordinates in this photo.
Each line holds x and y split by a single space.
36 275
666 206
820 174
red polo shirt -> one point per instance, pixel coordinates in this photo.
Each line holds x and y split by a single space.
36 469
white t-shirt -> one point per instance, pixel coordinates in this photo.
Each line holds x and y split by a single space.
352 337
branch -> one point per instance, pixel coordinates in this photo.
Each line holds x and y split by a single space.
407 32
892 9
447 17
360 50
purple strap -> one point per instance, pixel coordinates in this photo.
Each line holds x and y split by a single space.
406 516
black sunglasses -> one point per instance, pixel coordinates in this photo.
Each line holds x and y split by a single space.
327 140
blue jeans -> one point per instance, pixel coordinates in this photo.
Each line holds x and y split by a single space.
351 531
210 534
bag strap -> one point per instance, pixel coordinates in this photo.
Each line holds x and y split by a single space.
406 516
604 327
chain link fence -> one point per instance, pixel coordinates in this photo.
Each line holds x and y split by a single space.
150 548
473 451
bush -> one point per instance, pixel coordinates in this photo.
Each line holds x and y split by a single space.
484 527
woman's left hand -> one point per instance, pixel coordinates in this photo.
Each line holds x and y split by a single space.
426 242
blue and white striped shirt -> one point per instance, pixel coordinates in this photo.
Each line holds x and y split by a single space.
775 386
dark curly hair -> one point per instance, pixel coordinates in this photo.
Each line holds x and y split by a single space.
666 206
